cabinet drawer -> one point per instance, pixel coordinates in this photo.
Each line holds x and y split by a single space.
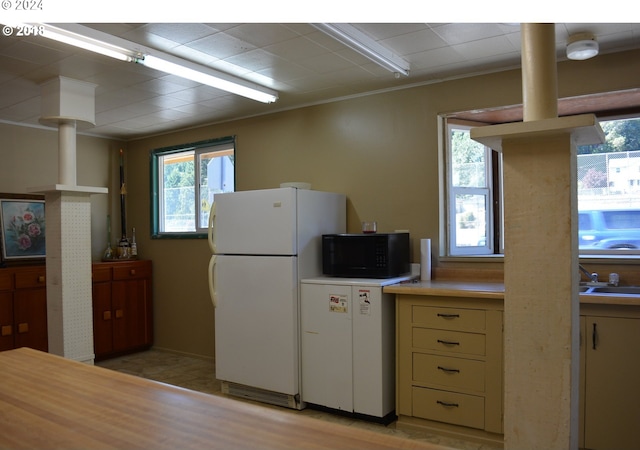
100 273
31 278
449 341
449 372
131 271
6 281
450 407
450 318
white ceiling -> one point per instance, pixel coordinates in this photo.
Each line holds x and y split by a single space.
304 65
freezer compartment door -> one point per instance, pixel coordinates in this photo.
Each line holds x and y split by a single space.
259 222
256 322
326 335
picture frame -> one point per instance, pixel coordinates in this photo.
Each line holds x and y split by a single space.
22 228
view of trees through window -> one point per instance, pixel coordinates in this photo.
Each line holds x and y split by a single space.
608 178
186 181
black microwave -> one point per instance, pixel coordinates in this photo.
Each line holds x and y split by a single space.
374 255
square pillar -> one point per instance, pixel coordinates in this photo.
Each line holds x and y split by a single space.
541 303
68 259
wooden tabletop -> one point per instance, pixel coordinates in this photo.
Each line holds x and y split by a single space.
47 401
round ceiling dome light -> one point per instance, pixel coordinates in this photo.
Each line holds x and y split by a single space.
582 46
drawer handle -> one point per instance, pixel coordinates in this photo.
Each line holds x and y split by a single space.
448 316
132 272
41 279
440 341
447 404
447 370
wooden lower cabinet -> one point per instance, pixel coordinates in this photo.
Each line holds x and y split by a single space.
450 363
122 307
610 378
23 308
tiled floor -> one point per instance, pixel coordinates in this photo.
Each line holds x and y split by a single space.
198 374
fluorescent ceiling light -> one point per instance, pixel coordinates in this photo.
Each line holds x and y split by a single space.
98 42
209 77
366 46
87 43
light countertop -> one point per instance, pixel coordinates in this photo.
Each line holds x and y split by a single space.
488 290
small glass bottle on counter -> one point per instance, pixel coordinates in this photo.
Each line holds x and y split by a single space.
134 245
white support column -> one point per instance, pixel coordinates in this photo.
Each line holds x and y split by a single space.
70 312
67 152
68 224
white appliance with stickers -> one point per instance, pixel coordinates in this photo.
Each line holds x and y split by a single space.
348 345
263 242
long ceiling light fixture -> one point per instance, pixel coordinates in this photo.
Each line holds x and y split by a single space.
199 74
105 44
365 45
85 42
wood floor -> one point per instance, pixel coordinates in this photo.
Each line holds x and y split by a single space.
199 375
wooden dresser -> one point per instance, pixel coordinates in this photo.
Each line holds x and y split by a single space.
23 308
122 307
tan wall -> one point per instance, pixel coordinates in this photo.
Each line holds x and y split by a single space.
381 150
29 158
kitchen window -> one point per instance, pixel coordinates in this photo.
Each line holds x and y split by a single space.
608 192
472 174
184 180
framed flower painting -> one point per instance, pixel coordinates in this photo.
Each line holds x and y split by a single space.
22 229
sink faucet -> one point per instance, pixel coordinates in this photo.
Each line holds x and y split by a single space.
593 276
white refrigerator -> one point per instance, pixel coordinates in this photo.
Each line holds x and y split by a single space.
263 242
348 345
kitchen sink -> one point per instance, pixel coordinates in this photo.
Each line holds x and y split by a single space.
612 290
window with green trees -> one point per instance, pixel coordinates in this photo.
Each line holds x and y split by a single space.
608 186
184 180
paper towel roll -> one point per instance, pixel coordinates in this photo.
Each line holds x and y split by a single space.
425 259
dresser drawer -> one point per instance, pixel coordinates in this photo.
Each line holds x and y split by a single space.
449 407
6 281
450 318
131 271
31 278
449 341
449 372
100 273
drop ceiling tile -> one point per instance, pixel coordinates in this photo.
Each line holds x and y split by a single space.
221 45
252 60
383 31
457 33
296 49
266 34
417 41
483 48
179 33
326 63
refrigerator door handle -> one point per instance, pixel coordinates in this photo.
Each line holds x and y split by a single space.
212 214
212 292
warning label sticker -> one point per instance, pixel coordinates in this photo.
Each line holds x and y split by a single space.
338 303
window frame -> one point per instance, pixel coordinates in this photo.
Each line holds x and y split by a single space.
492 209
496 187
206 146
